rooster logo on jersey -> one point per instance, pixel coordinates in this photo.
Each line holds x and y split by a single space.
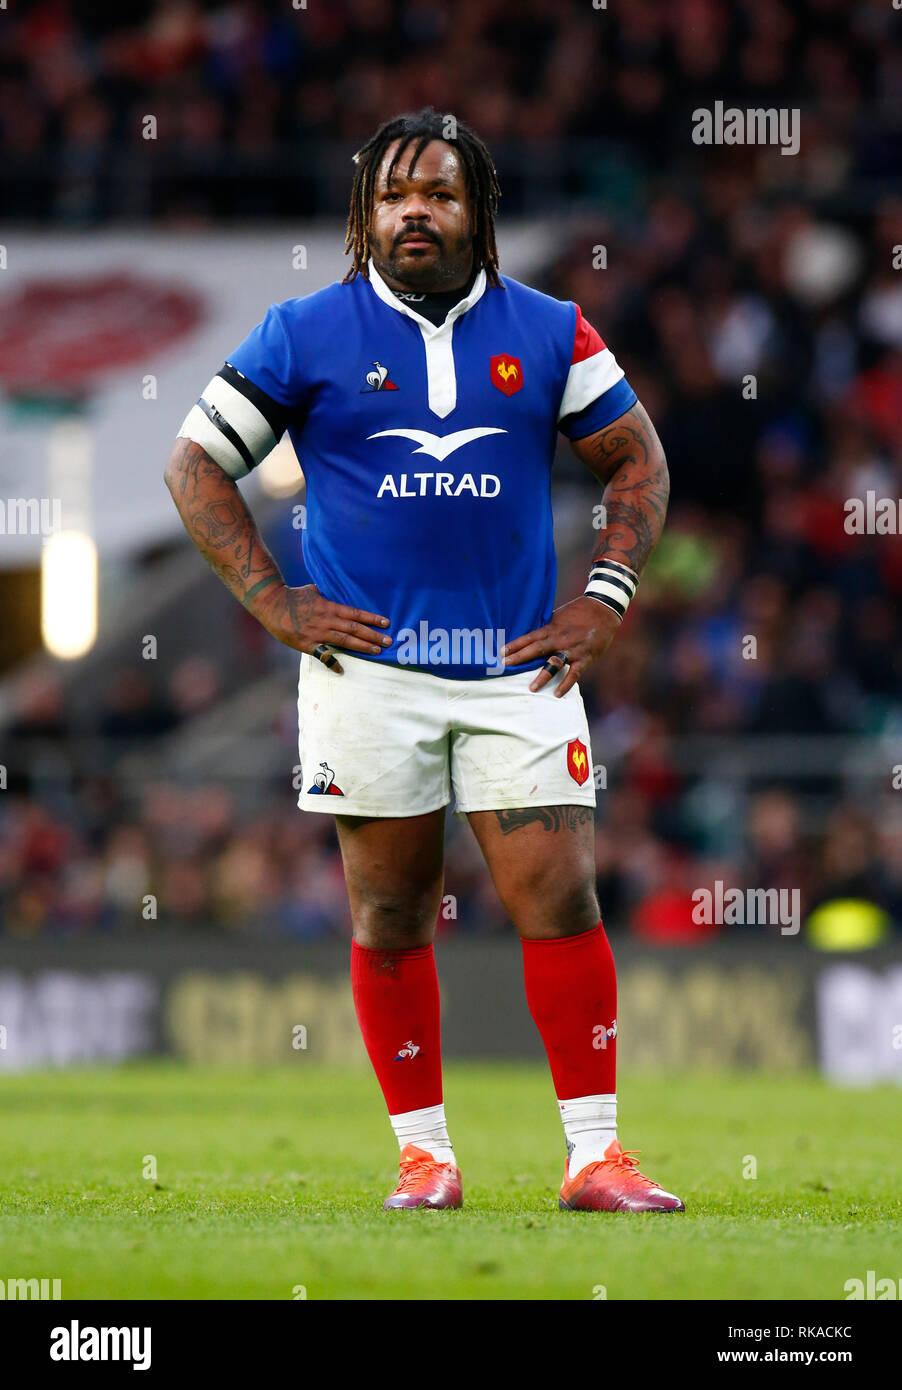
506 373
324 783
377 380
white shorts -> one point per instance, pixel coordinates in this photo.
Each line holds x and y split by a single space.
385 740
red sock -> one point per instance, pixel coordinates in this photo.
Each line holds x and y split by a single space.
397 1002
571 990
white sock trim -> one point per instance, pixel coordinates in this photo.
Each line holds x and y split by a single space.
427 1129
590 1125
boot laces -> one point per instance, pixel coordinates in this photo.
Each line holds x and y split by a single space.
414 1171
628 1159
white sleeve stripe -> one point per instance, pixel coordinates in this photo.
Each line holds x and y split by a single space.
589 379
252 428
202 431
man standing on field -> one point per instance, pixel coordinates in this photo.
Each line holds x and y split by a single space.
423 394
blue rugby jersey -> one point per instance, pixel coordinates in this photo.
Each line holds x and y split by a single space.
427 452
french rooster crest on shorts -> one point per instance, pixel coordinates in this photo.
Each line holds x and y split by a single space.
324 783
577 761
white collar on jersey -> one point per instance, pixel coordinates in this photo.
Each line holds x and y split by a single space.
429 329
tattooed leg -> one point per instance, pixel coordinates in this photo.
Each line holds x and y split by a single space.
542 862
549 817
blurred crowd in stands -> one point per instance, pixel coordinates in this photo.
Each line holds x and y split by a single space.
762 330
245 96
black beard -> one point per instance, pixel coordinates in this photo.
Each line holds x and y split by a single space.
433 276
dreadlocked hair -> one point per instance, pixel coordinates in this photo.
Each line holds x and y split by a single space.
482 185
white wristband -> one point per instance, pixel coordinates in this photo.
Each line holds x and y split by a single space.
612 584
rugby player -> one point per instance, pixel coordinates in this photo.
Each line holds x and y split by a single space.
423 394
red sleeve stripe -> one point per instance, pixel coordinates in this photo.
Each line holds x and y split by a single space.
586 342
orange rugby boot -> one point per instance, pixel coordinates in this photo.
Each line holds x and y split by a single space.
614 1184
425 1183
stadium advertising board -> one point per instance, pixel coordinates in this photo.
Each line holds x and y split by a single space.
234 1004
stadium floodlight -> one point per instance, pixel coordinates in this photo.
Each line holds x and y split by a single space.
69 557
69 594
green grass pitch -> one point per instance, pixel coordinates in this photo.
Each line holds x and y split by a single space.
269 1182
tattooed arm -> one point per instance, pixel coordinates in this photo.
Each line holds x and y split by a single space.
218 521
627 458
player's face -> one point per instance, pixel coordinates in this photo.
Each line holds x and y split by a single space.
421 236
